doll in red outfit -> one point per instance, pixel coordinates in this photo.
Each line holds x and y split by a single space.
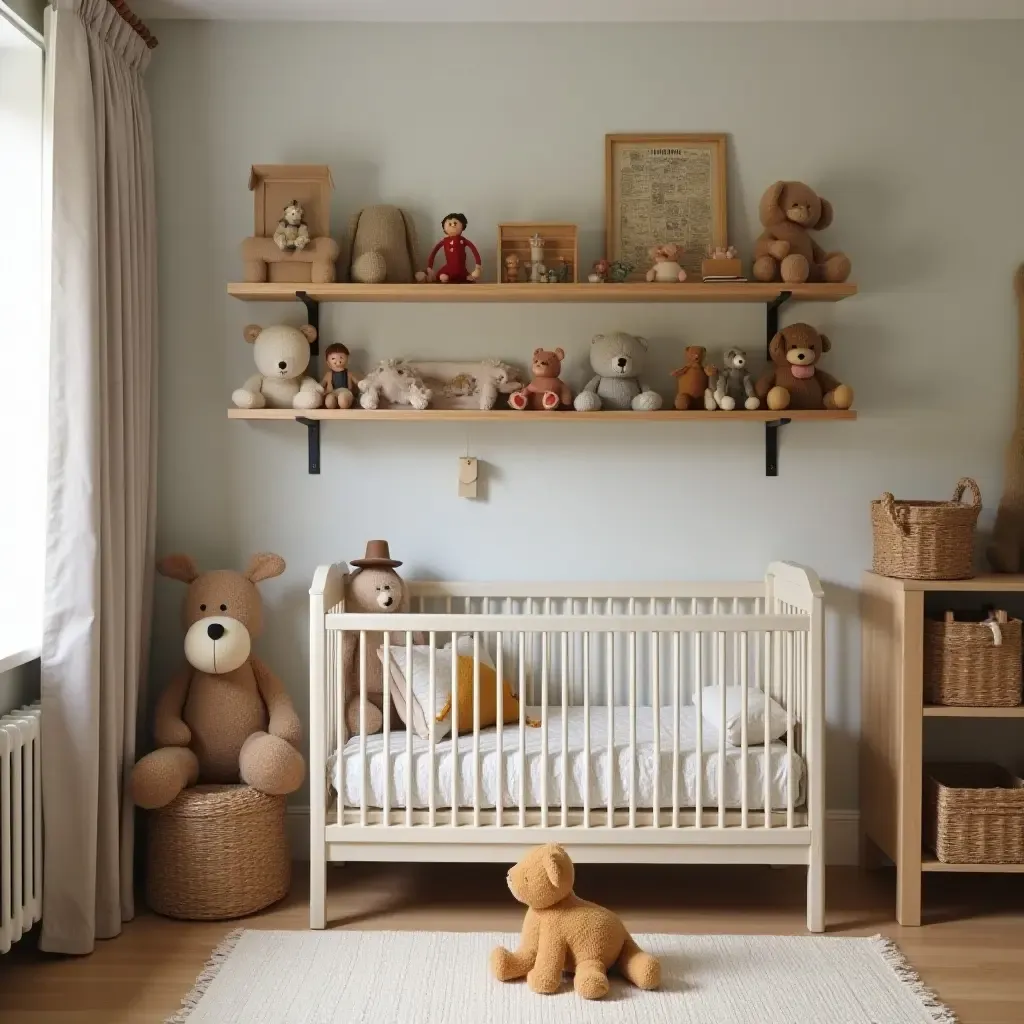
455 246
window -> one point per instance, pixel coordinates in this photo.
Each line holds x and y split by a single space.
24 334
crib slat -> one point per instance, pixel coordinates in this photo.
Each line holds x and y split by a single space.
586 722
476 729
364 767
544 766
408 728
698 683
767 734
522 730
386 779
431 727
612 756
677 658
632 726
788 669
565 731
499 788
720 680
656 702
455 762
744 740
338 653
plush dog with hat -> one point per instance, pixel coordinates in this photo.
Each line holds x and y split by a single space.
374 588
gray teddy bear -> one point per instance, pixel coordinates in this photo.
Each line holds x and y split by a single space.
732 387
617 360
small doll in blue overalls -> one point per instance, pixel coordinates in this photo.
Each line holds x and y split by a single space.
339 382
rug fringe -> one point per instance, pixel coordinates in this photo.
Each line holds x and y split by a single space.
210 971
939 1012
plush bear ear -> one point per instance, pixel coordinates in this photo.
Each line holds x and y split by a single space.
643 341
553 861
826 214
251 332
178 567
309 331
596 338
537 353
826 345
777 348
770 210
560 353
264 566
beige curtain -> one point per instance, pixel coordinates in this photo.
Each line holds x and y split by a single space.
101 506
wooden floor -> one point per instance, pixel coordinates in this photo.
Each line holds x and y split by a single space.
971 949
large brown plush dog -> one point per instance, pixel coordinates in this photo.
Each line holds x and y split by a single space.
795 381
785 250
564 933
225 717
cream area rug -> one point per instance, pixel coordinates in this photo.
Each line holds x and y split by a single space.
349 977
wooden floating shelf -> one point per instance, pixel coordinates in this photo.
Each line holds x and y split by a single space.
1007 583
508 416
929 862
750 291
943 711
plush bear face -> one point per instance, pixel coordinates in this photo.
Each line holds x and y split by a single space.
222 612
376 590
665 253
618 354
799 347
293 214
547 364
281 351
735 359
543 877
797 203
694 355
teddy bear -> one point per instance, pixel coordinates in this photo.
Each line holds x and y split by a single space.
561 932
546 390
282 355
224 717
732 383
666 264
617 360
692 380
382 247
374 588
398 382
794 380
788 211
292 233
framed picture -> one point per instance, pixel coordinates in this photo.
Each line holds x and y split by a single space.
664 188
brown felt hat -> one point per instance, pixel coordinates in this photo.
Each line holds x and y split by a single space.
378 556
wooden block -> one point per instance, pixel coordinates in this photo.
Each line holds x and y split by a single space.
721 268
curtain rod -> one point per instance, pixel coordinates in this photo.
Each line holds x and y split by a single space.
137 24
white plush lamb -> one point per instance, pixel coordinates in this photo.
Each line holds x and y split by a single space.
617 359
467 384
282 355
732 383
398 382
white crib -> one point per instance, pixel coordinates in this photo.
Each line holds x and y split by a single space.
624 766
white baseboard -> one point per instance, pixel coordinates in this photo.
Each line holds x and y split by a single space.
842 844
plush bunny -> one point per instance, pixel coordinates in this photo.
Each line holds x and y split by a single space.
397 382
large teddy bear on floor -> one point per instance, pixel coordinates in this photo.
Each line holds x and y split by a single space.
617 359
282 355
225 717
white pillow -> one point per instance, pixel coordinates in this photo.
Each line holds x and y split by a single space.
711 711
423 719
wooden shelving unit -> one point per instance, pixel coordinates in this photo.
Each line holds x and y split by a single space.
893 713
772 296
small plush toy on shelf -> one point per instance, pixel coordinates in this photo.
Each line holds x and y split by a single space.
512 268
292 231
599 272
617 360
398 382
732 384
455 245
666 266
339 382
546 390
721 263
282 356
795 380
692 381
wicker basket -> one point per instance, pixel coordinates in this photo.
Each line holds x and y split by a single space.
217 852
973 664
926 540
974 814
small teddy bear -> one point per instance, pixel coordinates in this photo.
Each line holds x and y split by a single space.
512 268
666 264
546 390
561 932
617 360
397 382
692 381
292 232
733 384
794 380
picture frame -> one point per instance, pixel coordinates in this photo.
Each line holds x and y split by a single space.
664 187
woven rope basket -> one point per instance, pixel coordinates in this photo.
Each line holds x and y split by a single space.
926 540
974 814
964 666
217 852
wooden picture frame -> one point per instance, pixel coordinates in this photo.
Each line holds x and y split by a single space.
677 218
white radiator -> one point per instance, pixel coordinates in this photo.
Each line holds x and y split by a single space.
21 825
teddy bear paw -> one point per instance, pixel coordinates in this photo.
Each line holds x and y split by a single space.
502 964
542 983
778 399
795 269
587 401
726 403
549 401
306 400
752 403
368 400
247 399
647 401
764 269
517 400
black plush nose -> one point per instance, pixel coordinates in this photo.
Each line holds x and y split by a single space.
283 365
801 355
388 602
621 361
215 631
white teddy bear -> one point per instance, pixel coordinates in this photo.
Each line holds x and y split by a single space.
282 355
398 382
617 359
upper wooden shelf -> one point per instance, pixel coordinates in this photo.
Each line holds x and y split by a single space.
750 291
533 416
984 583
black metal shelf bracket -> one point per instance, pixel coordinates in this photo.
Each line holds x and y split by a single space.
312 426
312 318
771 428
313 435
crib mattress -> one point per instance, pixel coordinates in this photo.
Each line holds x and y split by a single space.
392 769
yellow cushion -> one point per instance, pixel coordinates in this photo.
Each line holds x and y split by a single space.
488 698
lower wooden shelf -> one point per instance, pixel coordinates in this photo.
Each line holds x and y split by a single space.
508 416
930 863
937 711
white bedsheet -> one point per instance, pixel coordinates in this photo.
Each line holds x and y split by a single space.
775 761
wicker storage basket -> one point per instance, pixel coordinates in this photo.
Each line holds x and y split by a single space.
217 852
926 540
965 666
974 814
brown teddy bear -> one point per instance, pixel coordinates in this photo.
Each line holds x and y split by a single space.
692 380
225 717
788 211
546 391
561 932
795 380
